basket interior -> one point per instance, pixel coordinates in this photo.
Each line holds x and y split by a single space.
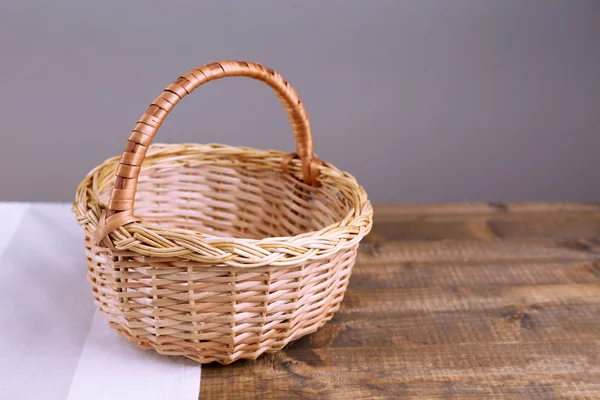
232 199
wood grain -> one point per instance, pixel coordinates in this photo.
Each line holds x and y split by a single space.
471 301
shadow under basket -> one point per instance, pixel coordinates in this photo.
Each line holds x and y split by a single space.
230 254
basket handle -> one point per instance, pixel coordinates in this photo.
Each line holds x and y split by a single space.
120 206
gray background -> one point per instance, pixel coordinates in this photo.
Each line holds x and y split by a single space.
422 100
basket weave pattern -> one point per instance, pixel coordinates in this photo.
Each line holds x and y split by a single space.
233 255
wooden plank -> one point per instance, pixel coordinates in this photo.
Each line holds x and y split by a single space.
387 211
387 372
368 323
488 222
413 274
475 298
538 387
542 226
584 386
471 251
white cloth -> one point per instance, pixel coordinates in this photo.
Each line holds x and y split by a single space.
53 344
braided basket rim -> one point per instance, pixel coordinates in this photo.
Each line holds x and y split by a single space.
149 239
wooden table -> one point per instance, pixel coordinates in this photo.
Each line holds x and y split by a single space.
474 301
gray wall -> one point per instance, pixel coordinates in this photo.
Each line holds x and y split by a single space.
422 100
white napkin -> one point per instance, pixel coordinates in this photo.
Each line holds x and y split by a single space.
53 345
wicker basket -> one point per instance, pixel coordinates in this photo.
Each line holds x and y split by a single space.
233 251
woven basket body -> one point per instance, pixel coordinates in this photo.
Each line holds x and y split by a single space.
231 251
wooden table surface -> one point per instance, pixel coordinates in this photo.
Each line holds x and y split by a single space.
473 301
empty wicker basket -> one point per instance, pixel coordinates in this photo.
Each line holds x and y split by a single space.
232 251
